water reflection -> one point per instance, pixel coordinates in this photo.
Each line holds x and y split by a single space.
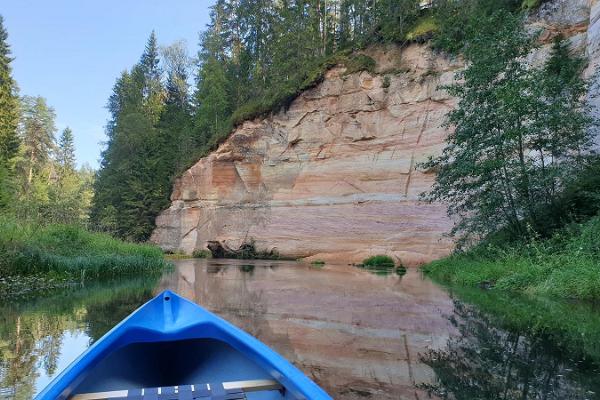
355 333
383 270
40 338
500 357
358 334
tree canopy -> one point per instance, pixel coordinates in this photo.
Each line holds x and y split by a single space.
520 132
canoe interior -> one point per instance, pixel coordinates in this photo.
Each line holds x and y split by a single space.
182 362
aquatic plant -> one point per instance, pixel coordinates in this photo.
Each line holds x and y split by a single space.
379 261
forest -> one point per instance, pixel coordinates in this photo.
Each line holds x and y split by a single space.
254 58
171 108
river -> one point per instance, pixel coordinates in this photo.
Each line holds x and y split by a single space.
358 333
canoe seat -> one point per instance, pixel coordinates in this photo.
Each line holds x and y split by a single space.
211 391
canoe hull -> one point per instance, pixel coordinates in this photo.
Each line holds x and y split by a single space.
171 341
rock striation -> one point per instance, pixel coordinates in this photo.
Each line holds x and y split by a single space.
334 177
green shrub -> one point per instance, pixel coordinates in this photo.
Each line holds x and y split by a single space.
318 262
386 82
358 63
201 253
530 4
423 30
457 20
379 261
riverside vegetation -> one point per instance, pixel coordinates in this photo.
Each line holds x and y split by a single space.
524 177
498 174
35 259
45 201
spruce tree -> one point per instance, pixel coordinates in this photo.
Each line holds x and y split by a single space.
213 90
37 135
67 193
150 79
131 180
9 118
65 153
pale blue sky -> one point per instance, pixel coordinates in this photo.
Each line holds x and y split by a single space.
71 52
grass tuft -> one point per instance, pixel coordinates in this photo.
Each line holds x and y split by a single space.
201 253
379 261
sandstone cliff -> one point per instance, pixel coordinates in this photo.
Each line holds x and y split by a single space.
334 176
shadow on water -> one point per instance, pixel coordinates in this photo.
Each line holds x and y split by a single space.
517 347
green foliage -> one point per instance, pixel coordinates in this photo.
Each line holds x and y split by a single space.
566 265
201 253
318 262
37 137
148 139
386 82
379 261
69 253
458 21
530 4
358 63
499 171
396 20
425 28
65 154
9 117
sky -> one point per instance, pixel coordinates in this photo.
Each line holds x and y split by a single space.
72 51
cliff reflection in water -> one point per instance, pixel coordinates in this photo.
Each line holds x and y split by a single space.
356 333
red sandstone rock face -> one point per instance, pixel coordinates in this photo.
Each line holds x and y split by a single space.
335 177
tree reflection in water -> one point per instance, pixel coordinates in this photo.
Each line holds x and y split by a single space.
31 334
488 362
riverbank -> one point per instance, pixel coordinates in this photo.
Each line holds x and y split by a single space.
566 265
42 258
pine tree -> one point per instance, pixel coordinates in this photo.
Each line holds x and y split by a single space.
65 153
37 135
9 118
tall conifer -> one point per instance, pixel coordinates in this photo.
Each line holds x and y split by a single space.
9 118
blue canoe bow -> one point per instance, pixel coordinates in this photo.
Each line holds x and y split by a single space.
171 348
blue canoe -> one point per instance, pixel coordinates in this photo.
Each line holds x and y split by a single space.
170 348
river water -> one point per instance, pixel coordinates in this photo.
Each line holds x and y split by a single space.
358 333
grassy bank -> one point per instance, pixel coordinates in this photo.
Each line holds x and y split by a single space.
566 265
34 258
